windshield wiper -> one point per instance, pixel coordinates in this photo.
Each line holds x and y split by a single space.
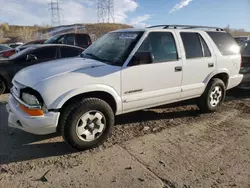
92 55
95 57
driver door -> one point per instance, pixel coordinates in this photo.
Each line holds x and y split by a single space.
157 83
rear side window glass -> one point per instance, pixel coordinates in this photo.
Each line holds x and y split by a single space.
207 52
192 45
225 43
83 40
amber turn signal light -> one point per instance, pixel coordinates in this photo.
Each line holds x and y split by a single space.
31 112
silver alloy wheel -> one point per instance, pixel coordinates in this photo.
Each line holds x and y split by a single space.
90 126
215 96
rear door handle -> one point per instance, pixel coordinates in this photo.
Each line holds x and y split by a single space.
178 69
210 65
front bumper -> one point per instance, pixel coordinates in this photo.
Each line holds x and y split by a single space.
40 125
245 84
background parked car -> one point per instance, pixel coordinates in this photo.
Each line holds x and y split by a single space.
76 39
241 39
28 44
7 53
14 45
245 67
4 47
30 56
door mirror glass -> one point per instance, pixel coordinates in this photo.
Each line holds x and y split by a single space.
141 58
31 57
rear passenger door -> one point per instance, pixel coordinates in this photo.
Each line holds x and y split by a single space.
70 52
198 63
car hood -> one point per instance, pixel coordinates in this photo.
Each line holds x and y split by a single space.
30 76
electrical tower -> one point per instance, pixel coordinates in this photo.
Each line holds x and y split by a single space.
105 11
55 12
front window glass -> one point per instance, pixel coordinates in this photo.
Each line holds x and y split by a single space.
113 48
161 45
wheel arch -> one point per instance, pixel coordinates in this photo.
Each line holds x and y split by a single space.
107 94
222 74
5 80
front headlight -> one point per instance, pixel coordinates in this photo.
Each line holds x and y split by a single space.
30 99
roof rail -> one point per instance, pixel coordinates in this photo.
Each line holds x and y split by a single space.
186 27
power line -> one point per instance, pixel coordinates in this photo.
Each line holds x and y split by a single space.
55 12
105 11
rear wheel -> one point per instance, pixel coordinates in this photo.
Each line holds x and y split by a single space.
2 86
213 96
87 124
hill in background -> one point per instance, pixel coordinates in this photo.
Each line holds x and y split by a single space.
13 33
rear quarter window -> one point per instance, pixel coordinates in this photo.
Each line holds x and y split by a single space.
225 43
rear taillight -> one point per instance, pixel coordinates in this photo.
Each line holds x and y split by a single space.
8 53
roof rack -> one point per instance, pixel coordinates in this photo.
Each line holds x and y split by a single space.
186 27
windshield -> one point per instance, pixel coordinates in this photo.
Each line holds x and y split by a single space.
52 40
113 48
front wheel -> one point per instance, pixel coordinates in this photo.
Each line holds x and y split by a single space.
213 96
87 124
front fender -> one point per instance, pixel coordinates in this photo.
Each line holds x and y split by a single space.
61 100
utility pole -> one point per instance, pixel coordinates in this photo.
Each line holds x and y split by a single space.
105 11
55 12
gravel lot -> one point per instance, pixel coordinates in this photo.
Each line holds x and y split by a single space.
214 149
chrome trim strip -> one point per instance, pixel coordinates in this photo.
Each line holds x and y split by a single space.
24 104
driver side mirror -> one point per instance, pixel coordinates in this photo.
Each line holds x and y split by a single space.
141 58
31 57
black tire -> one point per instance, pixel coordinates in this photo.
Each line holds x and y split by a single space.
3 86
74 112
204 101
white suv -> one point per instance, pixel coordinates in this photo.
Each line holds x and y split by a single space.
124 71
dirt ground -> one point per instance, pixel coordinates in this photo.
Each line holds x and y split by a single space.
168 147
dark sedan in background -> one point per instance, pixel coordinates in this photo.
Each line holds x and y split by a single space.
30 56
245 67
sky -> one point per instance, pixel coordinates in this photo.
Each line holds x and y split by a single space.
139 13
